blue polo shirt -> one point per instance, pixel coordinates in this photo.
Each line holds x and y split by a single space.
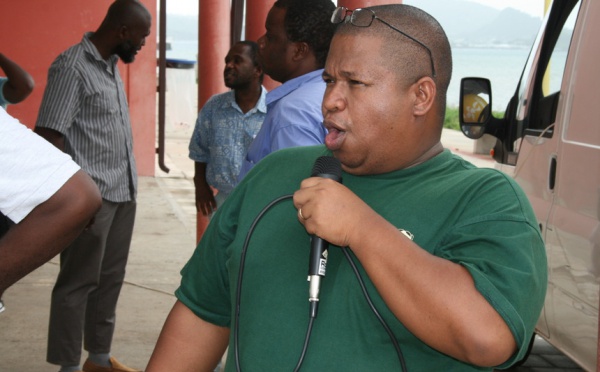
294 118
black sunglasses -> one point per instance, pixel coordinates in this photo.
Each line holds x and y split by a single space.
364 18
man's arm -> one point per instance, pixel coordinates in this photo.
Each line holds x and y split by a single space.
54 137
200 154
434 298
205 198
20 83
48 228
188 343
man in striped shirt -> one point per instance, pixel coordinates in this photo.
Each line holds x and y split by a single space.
84 112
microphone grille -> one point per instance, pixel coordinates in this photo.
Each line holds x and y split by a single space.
327 165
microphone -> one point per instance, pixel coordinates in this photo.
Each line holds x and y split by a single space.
326 167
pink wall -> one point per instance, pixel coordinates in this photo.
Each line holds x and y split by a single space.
33 33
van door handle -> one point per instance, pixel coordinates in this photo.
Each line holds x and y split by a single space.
552 175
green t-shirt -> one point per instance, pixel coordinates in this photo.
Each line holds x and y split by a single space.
477 217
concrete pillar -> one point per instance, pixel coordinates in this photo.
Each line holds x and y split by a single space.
213 45
214 37
256 15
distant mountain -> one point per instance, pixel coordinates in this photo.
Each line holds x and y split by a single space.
509 28
470 24
466 23
458 17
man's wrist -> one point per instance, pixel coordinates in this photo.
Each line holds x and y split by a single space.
200 180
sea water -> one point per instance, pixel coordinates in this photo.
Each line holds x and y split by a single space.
503 66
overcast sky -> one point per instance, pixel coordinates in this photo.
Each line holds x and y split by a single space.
533 7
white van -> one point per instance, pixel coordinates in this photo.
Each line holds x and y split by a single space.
549 140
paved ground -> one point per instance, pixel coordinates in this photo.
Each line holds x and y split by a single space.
164 238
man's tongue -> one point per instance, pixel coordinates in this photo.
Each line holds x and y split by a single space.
334 139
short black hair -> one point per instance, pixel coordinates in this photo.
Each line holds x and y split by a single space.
253 54
253 50
408 59
309 21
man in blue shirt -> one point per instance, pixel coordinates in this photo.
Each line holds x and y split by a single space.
293 52
226 126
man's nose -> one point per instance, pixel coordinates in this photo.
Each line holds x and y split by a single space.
333 99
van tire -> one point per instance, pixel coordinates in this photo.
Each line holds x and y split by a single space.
529 348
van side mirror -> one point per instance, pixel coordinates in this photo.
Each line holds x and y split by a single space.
475 106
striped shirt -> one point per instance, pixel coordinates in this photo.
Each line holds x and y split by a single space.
85 101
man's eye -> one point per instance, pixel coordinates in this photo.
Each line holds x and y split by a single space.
355 82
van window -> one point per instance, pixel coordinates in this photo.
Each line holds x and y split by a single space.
555 68
551 66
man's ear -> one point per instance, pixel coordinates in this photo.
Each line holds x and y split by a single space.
123 32
425 92
301 50
258 71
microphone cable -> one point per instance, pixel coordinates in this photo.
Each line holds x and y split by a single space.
345 250
238 293
374 309
311 321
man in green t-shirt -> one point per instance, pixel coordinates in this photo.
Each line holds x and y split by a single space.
433 264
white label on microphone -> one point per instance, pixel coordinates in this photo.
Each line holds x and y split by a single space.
322 267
